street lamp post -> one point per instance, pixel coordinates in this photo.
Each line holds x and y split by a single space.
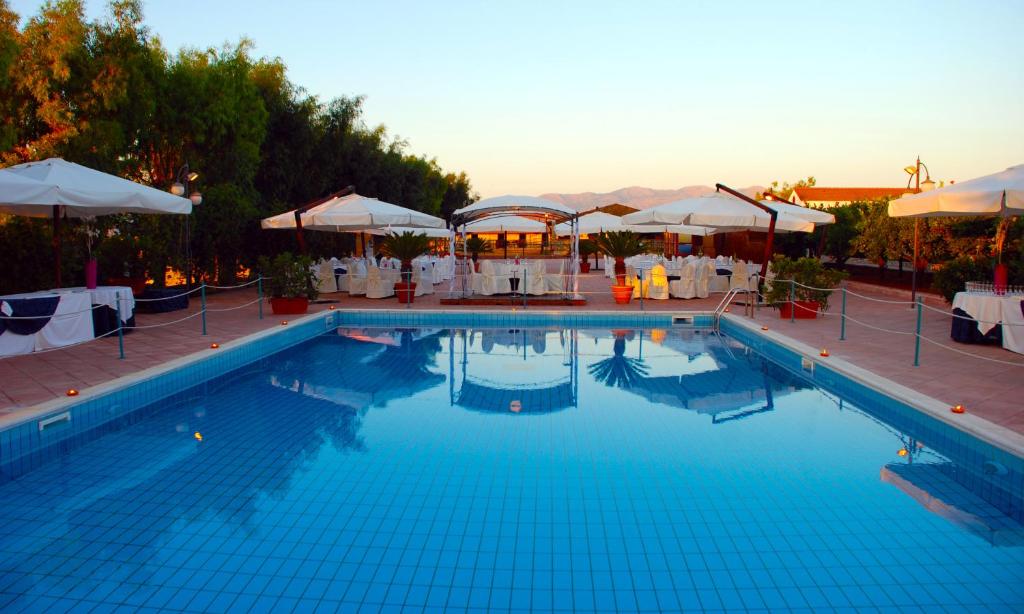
919 186
180 188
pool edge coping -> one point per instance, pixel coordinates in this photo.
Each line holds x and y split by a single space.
975 426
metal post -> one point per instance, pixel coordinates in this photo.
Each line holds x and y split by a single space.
913 269
842 318
792 300
202 295
523 290
641 289
259 290
917 335
120 329
410 290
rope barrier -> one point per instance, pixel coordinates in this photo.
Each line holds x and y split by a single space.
878 300
248 283
62 347
959 351
55 316
252 302
162 324
164 298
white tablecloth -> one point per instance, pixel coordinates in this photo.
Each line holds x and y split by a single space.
71 323
107 295
991 310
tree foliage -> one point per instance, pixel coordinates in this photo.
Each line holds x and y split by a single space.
107 95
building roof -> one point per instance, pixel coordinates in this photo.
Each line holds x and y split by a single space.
817 194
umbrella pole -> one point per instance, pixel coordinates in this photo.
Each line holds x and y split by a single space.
913 272
56 245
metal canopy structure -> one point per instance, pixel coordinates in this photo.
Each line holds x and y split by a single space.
531 207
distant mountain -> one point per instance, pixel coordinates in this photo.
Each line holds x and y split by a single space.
636 196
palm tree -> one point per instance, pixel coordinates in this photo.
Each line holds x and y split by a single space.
620 245
618 370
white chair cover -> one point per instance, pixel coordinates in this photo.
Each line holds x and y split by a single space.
658 288
686 285
377 285
555 282
357 277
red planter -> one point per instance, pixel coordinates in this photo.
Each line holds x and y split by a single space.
282 306
805 310
406 291
622 294
584 266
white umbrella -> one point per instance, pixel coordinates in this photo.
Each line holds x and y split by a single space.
63 188
594 223
716 210
816 216
999 194
82 192
354 212
433 233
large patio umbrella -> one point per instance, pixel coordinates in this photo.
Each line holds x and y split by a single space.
815 216
1000 194
67 189
727 212
347 211
595 223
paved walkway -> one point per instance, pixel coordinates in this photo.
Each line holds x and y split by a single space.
879 338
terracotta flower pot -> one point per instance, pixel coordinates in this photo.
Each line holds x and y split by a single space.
281 305
584 267
406 291
805 310
622 294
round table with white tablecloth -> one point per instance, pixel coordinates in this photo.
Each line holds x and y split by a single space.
69 323
994 317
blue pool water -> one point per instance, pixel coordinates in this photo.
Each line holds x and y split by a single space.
523 470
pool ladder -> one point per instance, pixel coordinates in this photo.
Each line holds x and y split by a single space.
748 306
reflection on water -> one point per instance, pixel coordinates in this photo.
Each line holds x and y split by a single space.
675 456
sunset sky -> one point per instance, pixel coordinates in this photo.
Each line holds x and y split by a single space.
582 96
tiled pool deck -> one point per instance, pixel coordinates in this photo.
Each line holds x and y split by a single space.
987 388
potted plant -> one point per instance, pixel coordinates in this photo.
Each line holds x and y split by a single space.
809 283
290 281
475 245
620 245
587 249
406 247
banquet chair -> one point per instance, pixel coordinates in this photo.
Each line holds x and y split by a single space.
534 282
686 285
493 279
739 279
555 282
377 284
658 288
356 277
325 280
423 279
705 271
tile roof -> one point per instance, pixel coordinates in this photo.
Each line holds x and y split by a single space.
818 194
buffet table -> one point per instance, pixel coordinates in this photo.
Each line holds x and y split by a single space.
35 321
993 319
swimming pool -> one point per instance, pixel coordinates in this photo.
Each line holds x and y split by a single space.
546 469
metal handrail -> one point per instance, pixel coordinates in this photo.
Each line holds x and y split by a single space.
726 300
